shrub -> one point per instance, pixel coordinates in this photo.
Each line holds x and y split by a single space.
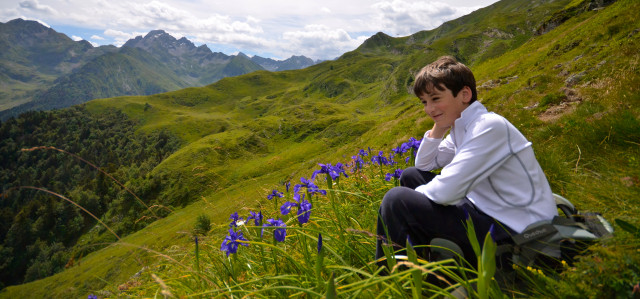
202 225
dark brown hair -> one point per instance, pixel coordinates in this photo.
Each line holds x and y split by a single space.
445 72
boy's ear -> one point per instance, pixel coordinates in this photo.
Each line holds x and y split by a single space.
466 94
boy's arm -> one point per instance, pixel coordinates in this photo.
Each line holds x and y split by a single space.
477 158
434 152
437 132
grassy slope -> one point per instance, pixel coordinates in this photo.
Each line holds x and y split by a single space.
247 134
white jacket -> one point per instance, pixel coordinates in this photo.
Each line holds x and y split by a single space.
487 159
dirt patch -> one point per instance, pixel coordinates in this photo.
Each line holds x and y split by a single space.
568 105
556 111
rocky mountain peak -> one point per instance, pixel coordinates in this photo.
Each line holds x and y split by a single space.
159 41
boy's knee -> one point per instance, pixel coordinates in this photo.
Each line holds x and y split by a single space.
392 198
409 172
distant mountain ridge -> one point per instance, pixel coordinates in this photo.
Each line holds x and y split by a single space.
42 69
292 63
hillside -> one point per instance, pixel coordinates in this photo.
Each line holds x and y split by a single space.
564 72
43 69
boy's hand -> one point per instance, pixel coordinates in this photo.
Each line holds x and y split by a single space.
438 132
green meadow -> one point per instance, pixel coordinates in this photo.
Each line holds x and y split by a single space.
573 90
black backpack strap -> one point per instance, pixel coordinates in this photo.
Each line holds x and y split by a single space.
534 233
559 220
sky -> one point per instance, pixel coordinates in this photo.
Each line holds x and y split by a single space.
278 29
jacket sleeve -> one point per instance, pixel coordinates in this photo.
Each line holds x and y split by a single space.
484 149
434 153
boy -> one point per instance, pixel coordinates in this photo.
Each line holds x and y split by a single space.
489 171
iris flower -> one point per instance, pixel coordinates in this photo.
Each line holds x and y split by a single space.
333 171
380 159
400 149
396 174
236 220
324 168
286 207
358 163
311 187
492 232
279 233
304 212
231 242
257 218
339 168
413 143
274 193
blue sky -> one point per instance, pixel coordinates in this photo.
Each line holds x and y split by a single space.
269 28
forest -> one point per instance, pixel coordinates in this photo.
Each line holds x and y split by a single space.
36 160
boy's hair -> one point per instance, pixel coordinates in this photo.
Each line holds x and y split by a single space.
445 72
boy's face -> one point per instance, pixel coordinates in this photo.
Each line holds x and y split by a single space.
443 107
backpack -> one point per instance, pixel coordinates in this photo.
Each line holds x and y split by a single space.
559 239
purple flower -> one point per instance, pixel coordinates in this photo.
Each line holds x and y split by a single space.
396 174
304 212
324 168
390 160
380 159
92 296
466 213
286 207
235 220
413 143
358 163
287 185
273 194
279 233
297 197
231 242
400 150
319 242
257 218
362 153
333 171
311 187
492 232
339 169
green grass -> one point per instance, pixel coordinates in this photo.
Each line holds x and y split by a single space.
245 136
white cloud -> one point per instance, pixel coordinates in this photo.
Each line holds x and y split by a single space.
35 6
154 12
318 29
120 37
322 41
400 17
76 38
214 28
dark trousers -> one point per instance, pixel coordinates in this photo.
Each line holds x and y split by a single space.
407 213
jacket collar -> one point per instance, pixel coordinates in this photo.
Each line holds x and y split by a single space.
467 116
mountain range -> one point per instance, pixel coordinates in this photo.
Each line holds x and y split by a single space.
42 69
